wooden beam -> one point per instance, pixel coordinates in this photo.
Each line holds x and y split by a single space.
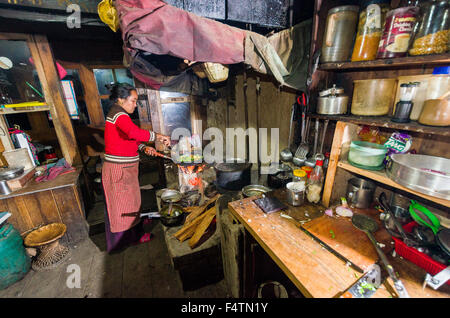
91 96
144 109
14 36
51 84
333 162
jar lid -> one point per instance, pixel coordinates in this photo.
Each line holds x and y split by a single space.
364 3
343 8
299 173
332 91
306 168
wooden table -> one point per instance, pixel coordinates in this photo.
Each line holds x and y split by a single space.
314 270
41 203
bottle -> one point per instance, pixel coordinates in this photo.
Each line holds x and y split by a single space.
315 183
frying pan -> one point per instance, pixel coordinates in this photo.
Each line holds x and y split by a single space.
369 226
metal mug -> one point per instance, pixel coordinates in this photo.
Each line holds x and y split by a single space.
360 192
295 198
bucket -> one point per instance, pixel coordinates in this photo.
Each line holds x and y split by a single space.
14 261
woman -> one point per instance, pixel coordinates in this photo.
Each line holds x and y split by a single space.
120 170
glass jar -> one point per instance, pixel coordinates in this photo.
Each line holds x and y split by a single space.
370 27
433 34
397 32
299 175
339 32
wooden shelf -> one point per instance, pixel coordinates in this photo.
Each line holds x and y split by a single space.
380 176
435 59
386 122
7 111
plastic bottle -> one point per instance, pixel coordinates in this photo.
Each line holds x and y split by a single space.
315 183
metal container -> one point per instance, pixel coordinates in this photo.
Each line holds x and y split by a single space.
4 188
332 102
254 189
233 176
360 192
171 196
426 174
11 172
339 33
295 197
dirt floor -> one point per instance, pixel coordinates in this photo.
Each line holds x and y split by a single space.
141 271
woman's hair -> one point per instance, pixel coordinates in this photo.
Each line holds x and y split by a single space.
119 90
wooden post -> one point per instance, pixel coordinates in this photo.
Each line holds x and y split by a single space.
333 163
51 85
91 96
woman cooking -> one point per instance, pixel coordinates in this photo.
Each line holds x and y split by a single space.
120 170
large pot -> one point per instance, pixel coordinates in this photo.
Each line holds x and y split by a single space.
233 175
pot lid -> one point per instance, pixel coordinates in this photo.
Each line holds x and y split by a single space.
332 91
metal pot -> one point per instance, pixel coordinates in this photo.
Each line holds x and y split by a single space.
332 102
172 220
233 175
360 192
294 197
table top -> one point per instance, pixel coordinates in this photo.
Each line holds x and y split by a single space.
64 180
315 271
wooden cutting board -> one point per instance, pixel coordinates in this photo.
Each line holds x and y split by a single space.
342 236
21 181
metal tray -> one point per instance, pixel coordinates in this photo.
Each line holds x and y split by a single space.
425 174
11 172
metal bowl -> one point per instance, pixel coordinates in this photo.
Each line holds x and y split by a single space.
254 189
425 174
176 217
171 196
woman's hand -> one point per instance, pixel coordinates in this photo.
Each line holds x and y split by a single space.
150 151
165 140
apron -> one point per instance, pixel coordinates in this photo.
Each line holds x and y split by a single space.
122 194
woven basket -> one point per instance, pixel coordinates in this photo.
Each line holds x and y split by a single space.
216 72
45 234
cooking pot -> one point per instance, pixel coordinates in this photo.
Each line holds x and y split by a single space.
332 102
360 192
233 175
176 215
281 176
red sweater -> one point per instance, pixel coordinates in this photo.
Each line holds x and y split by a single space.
123 138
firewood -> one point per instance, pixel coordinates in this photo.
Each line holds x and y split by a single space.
201 209
186 227
200 230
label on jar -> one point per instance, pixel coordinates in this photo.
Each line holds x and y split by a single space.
397 32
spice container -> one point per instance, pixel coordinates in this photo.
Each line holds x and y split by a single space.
339 30
370 26
374 97
433 34
299 175
397 32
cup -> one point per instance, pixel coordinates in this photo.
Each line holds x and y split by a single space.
296 193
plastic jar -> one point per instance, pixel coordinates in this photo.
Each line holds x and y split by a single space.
433 33
397 32
370 26
367 155
299 175
373 97
339 31
438 83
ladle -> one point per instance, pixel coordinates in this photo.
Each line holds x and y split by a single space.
286 153
369 226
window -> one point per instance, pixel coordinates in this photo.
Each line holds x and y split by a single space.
108 76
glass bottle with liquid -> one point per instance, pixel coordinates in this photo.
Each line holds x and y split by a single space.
315 183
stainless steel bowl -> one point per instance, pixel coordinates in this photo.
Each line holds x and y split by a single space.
254 189
425 174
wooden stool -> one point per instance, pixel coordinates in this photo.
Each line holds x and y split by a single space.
46 238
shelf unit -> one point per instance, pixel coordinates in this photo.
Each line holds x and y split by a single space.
380 176
9 111
427 140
